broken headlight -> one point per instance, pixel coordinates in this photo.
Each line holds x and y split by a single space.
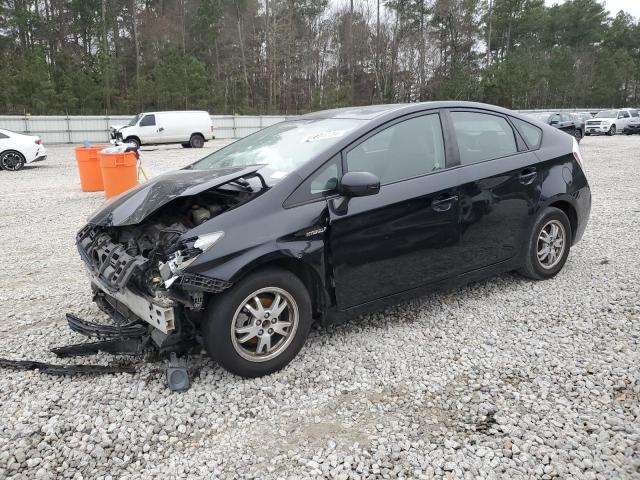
191 249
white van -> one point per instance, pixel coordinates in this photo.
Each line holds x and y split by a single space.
190 128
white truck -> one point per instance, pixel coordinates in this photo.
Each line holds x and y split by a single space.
609 122
189 128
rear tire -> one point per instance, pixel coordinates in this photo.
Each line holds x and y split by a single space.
612 131
196 141
12 161
537 266
578 135
251 339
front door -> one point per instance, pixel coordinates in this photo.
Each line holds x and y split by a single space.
405 235
148 129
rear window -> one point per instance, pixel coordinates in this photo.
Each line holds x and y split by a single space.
482 136
531 133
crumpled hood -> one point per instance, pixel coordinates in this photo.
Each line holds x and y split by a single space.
133 206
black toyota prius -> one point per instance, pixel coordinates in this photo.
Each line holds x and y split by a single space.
330 215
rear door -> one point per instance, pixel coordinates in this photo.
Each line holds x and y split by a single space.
405 235
499 186
568 124
623 119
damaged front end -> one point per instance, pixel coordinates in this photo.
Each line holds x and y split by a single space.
139 271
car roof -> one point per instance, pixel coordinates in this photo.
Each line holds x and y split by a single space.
372 112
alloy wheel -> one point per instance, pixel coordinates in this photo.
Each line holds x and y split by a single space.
12 161
264 324
551 244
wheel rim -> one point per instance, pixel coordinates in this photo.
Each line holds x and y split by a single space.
198 142
264 324
613 130
11 161
577 134
552 241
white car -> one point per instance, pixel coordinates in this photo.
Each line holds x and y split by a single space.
189 128
17 149
609 122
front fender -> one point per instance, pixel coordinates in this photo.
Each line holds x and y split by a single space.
308 254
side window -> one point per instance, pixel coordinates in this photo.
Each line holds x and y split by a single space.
482 136
148 121
567 118
623 114
325 180
407 149
634 113
554 119
531 133
321 183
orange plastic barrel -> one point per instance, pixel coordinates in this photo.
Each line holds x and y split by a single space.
89 168
119 172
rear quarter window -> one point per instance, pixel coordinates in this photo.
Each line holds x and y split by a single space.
531 133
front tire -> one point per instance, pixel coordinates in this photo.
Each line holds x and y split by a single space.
259 325
548 246
612 131
133 141
12 161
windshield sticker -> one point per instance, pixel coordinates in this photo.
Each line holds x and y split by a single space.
325 135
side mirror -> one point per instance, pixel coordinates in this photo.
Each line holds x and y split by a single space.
358 184
620 116
553 122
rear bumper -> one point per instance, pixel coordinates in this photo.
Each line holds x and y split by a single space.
40 158
583 207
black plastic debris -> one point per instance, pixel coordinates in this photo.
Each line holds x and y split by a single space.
53 369
178 378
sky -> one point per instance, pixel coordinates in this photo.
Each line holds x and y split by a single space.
614 6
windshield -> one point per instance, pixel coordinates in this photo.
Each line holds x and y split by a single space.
607 114
134 120
282 148
542 116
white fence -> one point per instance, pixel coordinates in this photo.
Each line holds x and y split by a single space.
94 128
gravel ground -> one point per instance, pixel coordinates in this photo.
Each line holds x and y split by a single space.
504 378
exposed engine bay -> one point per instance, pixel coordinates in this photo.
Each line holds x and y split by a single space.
137 270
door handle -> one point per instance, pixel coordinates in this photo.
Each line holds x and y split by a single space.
527 176
442 204
161 129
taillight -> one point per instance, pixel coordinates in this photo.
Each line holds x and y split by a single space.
38 141
577 155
